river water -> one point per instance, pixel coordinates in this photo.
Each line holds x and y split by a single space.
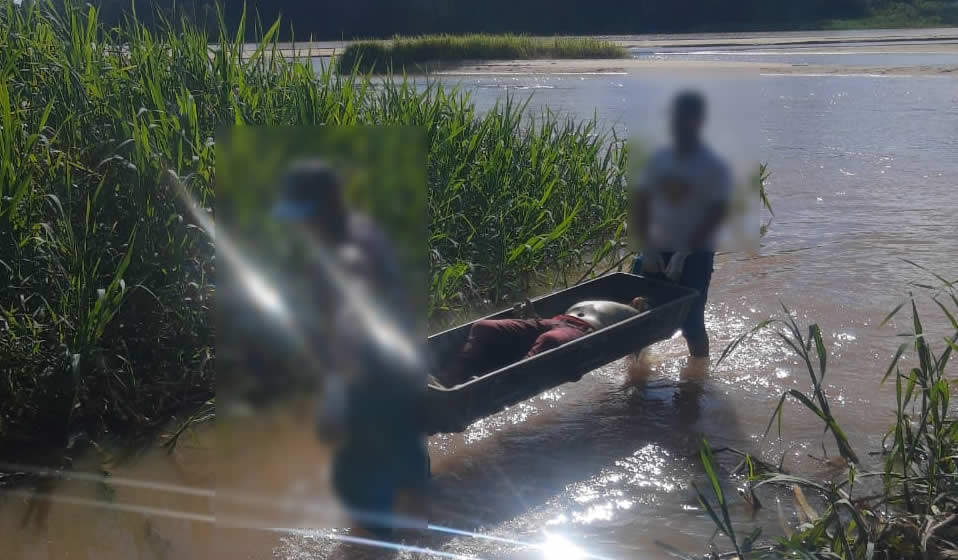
864 174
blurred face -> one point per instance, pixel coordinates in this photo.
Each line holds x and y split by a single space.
331 219
686 127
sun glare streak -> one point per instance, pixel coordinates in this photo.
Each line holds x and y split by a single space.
557 547
206 518
375 321
260 290
265 296
129 508
375 543
451 531
287 506
284 506
113 480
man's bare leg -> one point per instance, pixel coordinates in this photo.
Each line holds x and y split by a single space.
638 368
692 382
696 369
699 348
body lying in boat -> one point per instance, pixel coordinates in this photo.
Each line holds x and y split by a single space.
495 343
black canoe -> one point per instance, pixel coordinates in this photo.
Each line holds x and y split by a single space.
452 408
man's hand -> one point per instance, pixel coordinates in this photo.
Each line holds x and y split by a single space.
652 263
640 303
525 310
676 264
529 310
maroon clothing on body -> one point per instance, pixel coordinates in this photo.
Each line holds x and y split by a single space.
495 343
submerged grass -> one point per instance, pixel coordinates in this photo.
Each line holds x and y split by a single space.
406 53
915 515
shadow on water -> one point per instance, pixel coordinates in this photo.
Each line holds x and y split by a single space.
520 468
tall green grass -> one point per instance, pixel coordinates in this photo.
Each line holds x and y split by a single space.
107 286
915 513
407 53
108 279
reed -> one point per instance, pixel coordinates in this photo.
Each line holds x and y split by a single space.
914 514
408 53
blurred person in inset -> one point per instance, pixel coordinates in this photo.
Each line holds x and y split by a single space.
676 209
313 194
372 394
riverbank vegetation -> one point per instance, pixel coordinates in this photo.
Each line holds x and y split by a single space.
903 504
893 15
108 273
409 53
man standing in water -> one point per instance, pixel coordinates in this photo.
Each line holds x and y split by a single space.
677 206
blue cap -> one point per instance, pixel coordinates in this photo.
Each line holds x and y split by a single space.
306 186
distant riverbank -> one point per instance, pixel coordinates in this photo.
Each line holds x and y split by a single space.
796 39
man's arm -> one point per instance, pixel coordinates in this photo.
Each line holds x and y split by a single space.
621 308
639 215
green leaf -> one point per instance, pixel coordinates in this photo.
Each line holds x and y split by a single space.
942 279
948 314
808 403
709 463
894 362
785 479
778 414
816 334
742 338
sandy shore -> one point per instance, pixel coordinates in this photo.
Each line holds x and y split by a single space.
630 66
787 38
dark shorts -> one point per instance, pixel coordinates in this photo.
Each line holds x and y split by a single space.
697 274
366 479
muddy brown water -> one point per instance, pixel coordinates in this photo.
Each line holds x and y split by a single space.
864 175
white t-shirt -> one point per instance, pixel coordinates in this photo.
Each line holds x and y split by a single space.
681 191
